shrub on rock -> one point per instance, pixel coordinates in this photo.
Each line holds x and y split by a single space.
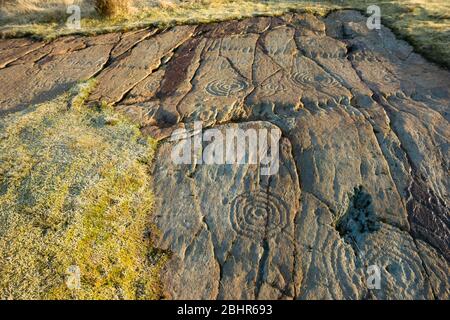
112 8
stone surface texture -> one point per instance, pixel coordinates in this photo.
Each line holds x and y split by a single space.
364 151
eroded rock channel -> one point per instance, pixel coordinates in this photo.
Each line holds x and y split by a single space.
364 173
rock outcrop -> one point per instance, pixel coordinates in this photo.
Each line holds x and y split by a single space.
363 177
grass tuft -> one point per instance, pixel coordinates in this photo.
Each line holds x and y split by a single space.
112 8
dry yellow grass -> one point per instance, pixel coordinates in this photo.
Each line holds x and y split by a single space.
112 8
22 12
74 191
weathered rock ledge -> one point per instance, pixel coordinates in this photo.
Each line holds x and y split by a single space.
364 171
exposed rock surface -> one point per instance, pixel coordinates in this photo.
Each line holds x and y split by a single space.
364 172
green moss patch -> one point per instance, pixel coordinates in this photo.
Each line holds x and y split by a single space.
74 191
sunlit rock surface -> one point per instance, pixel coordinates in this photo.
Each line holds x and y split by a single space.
363 176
